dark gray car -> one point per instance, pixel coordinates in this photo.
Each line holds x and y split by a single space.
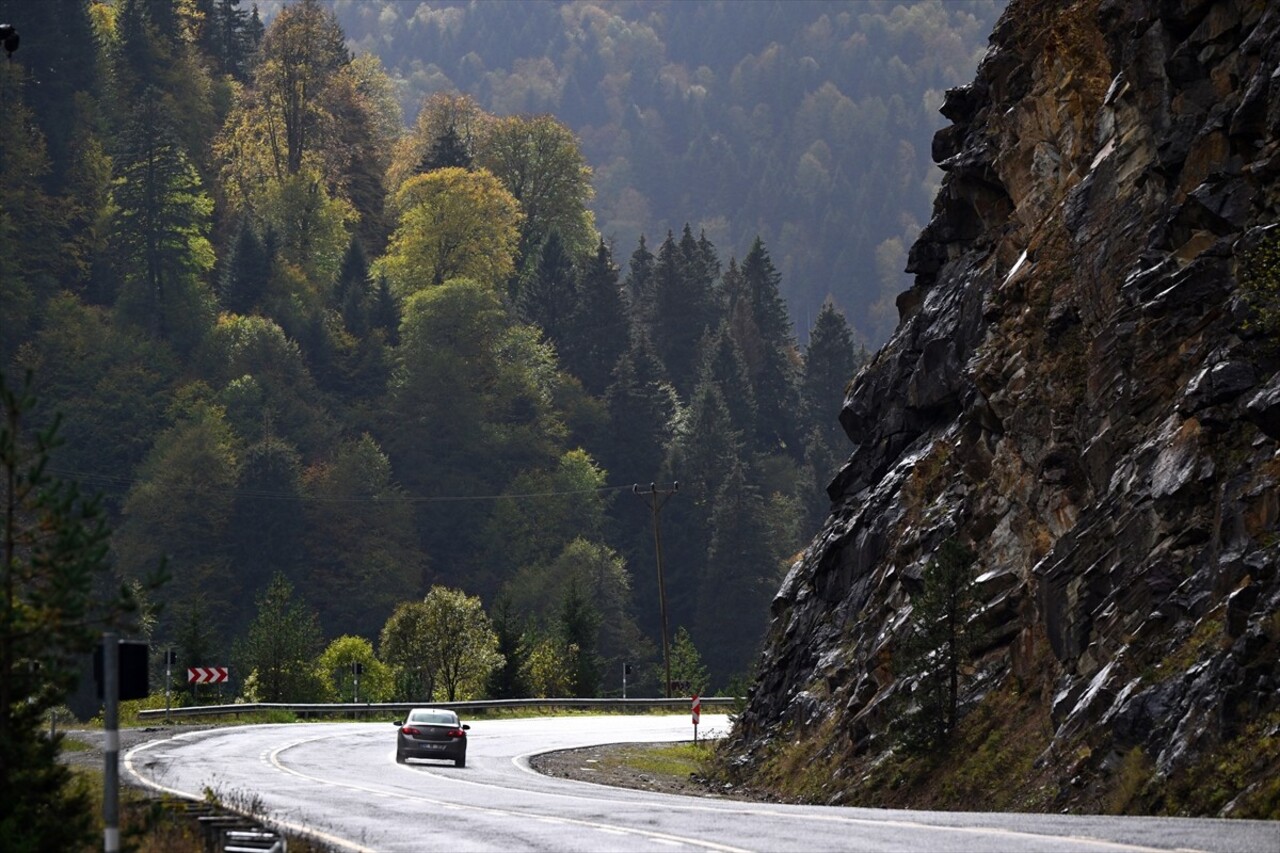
432 733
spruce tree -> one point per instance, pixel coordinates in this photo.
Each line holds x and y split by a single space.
829 366
162 226
448 149
684 310
938 643
600 322
507 681
739 578
245 272
548 296
774 374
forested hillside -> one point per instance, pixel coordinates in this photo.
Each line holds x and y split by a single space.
365 385
804 122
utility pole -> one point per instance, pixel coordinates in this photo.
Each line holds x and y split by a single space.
655 506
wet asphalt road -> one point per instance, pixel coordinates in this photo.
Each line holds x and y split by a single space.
339 782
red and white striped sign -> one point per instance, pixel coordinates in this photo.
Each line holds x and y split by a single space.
697 709
206 674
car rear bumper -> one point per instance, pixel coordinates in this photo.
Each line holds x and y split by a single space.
443 752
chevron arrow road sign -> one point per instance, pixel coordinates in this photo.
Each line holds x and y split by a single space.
206 674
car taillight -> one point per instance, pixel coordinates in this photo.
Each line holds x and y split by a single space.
456 733
409 730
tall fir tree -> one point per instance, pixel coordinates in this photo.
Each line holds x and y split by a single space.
739 577
774 367
724 365
705 446
162 223
549 292
600 322
684 311
245 271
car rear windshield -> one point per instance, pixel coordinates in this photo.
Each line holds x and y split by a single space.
436 718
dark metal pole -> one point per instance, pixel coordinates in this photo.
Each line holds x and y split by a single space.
656 508
111 748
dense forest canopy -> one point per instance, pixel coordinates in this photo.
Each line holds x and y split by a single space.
804 122
357 378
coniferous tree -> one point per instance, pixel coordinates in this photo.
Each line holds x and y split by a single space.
162 227
938 643
351 291
447 150
739 578
829 366
705 446
640 273
549 295
245 272
386 316
641 406
507 681
28 265
684 310
58 49
773 371
724 365
687 669
229 36
600 323
280 648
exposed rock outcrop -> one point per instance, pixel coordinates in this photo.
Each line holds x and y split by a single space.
1074 391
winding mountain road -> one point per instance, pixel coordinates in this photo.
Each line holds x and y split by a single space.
339 783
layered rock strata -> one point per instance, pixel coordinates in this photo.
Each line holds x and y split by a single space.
1079 389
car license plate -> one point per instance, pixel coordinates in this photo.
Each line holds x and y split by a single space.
433 746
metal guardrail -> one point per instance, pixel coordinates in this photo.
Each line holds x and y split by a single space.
363 709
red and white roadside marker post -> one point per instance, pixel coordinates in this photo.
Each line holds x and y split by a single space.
207 674
697 715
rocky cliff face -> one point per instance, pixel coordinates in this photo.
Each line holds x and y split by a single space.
1075 391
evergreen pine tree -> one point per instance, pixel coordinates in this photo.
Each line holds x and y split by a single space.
447 150
640 272
507 681
162 225
705 446
739 578
938 643
245 272
684 310
774 374
829 365
600 323
641 407
724 364
352 290
548 296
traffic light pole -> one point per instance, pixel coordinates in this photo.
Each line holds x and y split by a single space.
656 506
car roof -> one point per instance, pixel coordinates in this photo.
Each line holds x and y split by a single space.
432 715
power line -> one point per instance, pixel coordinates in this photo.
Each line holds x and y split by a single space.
123 485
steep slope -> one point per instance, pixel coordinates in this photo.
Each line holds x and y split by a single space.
1075 392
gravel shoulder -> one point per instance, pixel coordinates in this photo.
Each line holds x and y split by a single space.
608 765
